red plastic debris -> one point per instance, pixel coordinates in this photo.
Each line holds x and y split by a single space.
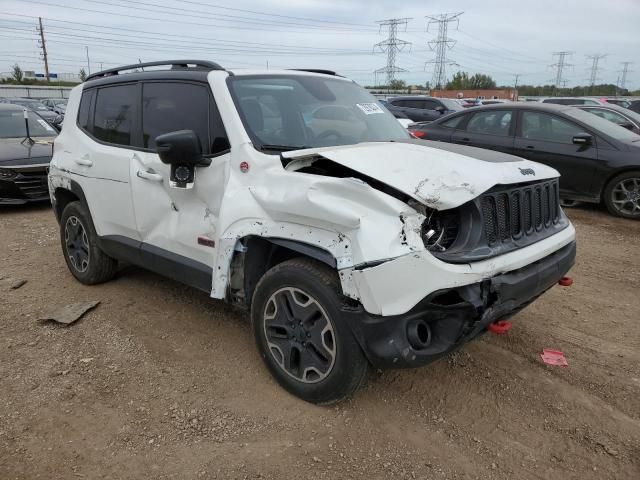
553 357
500 327
566 281
244 167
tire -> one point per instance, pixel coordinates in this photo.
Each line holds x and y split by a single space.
622 195
301 335
78 237
566 203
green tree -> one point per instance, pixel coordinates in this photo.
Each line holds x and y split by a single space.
17 73
397 84
82 74
462 81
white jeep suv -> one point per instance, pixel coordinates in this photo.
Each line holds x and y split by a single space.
294 195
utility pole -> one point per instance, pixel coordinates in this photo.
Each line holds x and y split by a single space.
391 46
88 62
625 72
515 86
560 66
43 45
595 58
440 45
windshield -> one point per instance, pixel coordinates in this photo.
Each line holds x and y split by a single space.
451 104
286 112
604 126
12 125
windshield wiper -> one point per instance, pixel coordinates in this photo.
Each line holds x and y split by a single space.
281 148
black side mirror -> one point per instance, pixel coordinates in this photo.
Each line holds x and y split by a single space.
181 150
582 139
440 109
627 125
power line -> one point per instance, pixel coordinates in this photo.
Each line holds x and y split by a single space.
595 59
391 46
560 66
440 45
43 45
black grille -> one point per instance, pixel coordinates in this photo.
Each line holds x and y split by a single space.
511 213
33 184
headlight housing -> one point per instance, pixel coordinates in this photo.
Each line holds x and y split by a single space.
7 174
440 230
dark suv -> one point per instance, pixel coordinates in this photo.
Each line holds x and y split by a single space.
422 109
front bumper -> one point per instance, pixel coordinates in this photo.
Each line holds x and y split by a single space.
455 315
28 185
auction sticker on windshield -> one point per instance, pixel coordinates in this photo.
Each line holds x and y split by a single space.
369 108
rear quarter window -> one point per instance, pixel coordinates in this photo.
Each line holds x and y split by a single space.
115 114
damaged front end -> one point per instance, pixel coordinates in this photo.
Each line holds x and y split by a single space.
448 318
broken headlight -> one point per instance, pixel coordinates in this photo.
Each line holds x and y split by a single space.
440 229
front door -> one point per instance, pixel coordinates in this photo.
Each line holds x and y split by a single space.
547 138
178 226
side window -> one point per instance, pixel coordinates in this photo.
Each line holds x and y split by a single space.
496 122
541 126
86 103
171 106
398 103
453 122
609 115
115 114
431 104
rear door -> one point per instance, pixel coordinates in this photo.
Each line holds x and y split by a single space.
178 226
547 138
491 129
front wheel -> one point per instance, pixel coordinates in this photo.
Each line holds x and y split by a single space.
622 195
301 334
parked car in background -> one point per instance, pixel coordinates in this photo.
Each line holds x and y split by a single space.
24 157
493 101
58 105
572 101
621 102
53 118
599 161
420 108
634 105
619 115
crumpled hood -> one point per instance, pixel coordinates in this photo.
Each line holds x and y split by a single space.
441 176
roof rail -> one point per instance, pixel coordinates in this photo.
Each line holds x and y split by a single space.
175 65
316 70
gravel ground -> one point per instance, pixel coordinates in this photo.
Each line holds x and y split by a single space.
159 381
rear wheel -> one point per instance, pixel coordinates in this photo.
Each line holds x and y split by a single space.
622 195
301 334
85 260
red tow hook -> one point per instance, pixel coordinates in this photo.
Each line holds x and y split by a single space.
500 327
565 281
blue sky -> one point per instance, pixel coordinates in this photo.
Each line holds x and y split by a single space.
501 38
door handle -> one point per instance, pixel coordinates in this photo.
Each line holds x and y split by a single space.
149 175
531 147
466 140
83 160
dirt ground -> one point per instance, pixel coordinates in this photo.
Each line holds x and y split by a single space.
159 381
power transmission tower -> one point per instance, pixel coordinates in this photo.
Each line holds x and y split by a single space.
391 46
43 45
440 45
595 59
560 66
625 72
